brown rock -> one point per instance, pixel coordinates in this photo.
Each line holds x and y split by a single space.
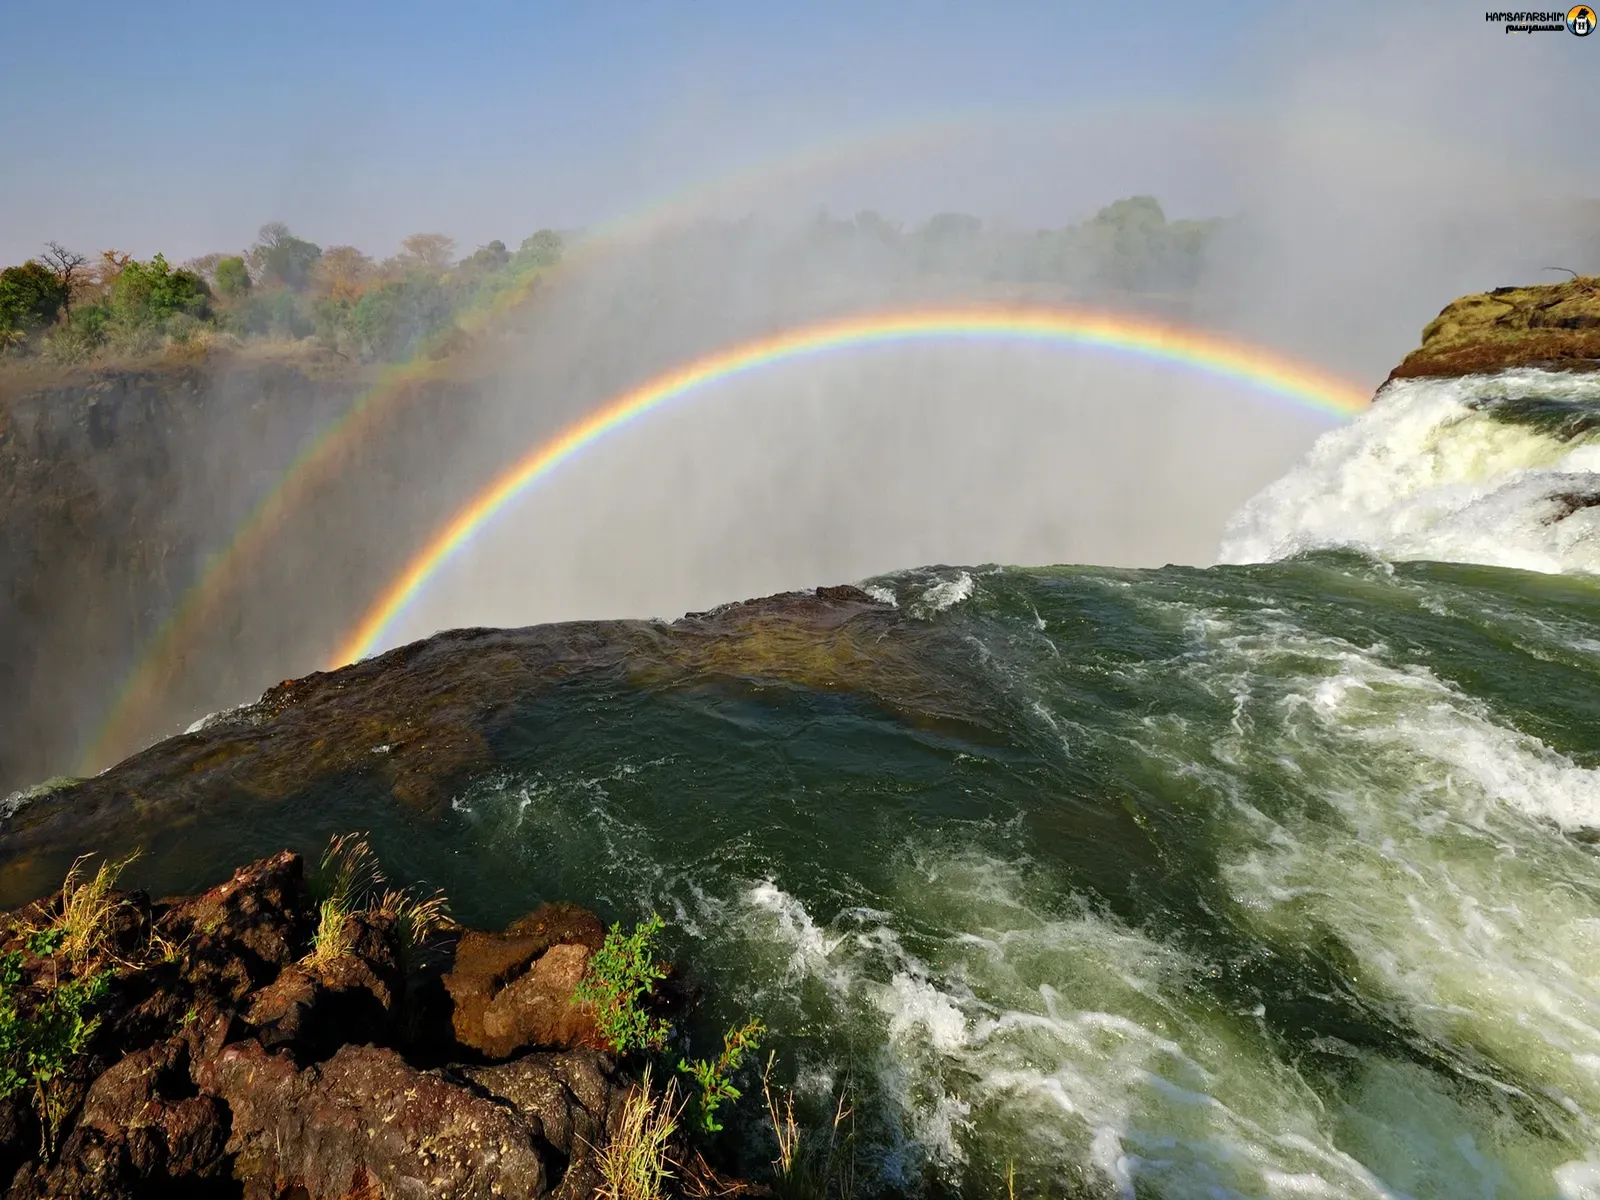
239 935
365 1123
148 1101
513 991
560 922
319 1005
538 1009
141 1126
575 1096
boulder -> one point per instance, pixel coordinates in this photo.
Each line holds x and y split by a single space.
318 1005
574 1097
142 1125
366 1123
513 991
238 936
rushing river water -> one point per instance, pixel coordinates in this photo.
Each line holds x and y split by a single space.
1270 879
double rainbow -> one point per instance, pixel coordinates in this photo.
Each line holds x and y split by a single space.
1258 369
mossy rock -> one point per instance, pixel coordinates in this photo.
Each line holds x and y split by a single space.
1556 326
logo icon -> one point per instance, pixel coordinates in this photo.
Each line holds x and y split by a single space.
1581 20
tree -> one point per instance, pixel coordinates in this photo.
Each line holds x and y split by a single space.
874 225
393 320
1128 239
488 259
281 258
951 227
541 249
205 266
31 297
232 276
68 268
342 273
149 293
431 252
111 264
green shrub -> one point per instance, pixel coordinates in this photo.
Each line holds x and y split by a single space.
619 974
37 1048
541 249
392 321
148 293
31 297
715 1075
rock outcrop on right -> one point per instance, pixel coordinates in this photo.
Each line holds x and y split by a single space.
1553 326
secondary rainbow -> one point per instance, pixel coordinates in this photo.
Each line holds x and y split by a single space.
1259 369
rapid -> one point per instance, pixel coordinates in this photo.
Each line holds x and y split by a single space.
1278 878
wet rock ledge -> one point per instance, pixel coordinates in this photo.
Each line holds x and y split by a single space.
249 1042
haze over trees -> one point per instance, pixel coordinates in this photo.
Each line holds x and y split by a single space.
66 307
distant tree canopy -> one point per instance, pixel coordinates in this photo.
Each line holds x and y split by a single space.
278 257
31 298
542 249
232 276
283 286
151 293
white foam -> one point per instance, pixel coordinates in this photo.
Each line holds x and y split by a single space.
1411 832
945 594
1424 475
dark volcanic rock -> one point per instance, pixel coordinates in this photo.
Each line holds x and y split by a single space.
239 935
317 1006
230 1061
142 1122
365 1122
574 1097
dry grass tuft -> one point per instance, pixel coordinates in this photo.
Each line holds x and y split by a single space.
633 1165
416 921
83 926
348 873
348 881
811 1166
332 938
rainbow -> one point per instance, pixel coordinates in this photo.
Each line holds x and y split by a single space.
1252 366
324 453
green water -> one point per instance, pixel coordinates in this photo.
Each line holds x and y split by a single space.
1250 881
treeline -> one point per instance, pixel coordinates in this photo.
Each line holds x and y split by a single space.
1128 246
65 307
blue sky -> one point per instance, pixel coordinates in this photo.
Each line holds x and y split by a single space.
184 126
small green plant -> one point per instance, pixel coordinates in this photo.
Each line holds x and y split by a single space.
715 1075
633 1164
43 942
37 1048
619 974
